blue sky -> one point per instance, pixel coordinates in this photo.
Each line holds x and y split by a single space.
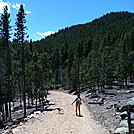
48 16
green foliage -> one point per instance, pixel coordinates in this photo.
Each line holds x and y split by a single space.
6 86
20 27
89 55
103 48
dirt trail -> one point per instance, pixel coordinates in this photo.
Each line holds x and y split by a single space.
50 122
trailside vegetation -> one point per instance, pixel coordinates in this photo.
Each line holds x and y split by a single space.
25 72
94 55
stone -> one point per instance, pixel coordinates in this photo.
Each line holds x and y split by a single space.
132 116
14 130
124 107
132 123
121 130
37 112
8 131
8 124
123 115
31 116
123 123
15 121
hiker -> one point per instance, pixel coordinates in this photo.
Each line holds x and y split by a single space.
78 104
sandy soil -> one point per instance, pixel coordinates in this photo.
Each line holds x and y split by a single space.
50 122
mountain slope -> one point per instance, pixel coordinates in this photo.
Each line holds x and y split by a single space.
113 24
93 53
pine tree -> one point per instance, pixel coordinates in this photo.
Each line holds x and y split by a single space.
20 37
5 36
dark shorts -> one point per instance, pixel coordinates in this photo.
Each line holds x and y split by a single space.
78 105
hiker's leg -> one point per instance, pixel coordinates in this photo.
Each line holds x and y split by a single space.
79 111
76 109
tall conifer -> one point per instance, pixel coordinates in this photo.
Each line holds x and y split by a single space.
5 36
20 37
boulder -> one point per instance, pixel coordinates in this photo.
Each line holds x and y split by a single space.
131 102
14 130
21 123
37 112
123 123
120 130
8 131
15 121
8 124
1 131
123 115
124 107
31 116
123 127
132 116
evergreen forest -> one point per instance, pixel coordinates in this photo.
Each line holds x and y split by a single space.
95 55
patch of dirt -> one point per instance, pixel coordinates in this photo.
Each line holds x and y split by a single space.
51 122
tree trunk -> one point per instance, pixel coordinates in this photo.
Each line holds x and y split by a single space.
36 103
6 110
20 87
10 112
9 86
28 99
23 78
126 84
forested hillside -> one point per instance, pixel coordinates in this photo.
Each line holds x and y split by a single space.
97 53
91 55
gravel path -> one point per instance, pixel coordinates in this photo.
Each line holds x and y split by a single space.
50 122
